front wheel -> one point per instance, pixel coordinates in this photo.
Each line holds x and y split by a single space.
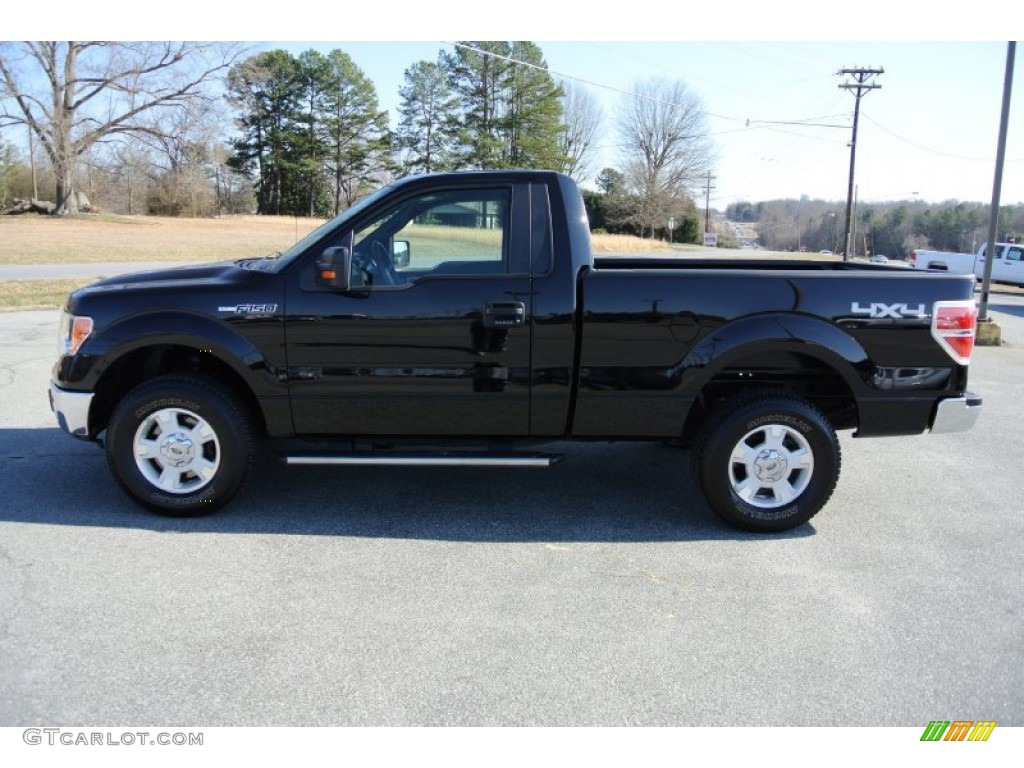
767 462
180 446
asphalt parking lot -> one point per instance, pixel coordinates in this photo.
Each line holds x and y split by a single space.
600 592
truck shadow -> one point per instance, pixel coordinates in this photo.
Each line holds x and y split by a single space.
600 493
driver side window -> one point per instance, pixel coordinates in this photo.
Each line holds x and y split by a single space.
452 233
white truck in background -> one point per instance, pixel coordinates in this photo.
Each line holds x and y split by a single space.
1008 266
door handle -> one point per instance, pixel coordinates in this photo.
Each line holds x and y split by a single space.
504 314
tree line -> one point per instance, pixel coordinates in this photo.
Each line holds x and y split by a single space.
315 139
893 229
198 129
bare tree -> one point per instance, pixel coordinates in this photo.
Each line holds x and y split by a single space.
73 95
582 118
665 148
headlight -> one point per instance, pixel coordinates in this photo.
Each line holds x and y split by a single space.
74 330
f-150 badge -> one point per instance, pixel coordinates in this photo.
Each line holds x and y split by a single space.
250 309
877 309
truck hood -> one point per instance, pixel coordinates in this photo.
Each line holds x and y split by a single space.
202 288
191 276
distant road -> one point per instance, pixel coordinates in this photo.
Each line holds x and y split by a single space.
97 270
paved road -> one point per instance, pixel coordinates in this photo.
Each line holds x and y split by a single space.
600 592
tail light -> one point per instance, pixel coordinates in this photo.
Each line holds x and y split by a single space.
953 326
912 258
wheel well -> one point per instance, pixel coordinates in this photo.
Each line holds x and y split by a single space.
804 376
144 364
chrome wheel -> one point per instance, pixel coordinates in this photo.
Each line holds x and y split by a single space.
771 466
176 450
767 460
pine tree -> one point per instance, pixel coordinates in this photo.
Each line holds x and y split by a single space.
357 138
511 107
479 71
429 119
314 73
533 111
264 88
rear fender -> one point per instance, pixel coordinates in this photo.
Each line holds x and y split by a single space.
805 335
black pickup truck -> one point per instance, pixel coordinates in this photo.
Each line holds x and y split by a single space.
462 319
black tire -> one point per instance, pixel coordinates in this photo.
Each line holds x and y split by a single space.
180 446
767 461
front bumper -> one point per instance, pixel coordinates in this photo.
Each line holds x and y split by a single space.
956 414
72 410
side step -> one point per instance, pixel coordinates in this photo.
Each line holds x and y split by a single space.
430 460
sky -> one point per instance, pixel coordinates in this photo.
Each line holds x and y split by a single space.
929 133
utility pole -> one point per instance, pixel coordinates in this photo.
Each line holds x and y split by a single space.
860 85
707 203
997 184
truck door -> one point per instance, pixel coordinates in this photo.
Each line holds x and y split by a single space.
433 338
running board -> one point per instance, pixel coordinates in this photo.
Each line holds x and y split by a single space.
427 460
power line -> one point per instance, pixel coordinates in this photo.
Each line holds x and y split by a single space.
929 149
593 83
794 122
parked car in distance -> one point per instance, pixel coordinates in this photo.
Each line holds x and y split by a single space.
878 258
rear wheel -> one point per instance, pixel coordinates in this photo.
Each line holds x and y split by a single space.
180 446
767 461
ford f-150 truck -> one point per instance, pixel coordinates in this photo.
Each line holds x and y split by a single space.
1008 266
462 319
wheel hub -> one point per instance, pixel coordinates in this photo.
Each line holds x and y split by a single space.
178 450
770 466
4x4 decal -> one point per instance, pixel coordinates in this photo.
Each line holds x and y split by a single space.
877 310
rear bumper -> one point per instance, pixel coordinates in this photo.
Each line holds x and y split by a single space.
72 410
956 414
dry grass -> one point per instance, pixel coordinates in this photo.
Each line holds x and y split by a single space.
627 244
34 239
16 295
107 237
31 239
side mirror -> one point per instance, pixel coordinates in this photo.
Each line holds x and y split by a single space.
334 268
400 253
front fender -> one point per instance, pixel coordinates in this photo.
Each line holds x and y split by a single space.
253 347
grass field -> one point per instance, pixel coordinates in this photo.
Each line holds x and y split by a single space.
17 295
32 239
